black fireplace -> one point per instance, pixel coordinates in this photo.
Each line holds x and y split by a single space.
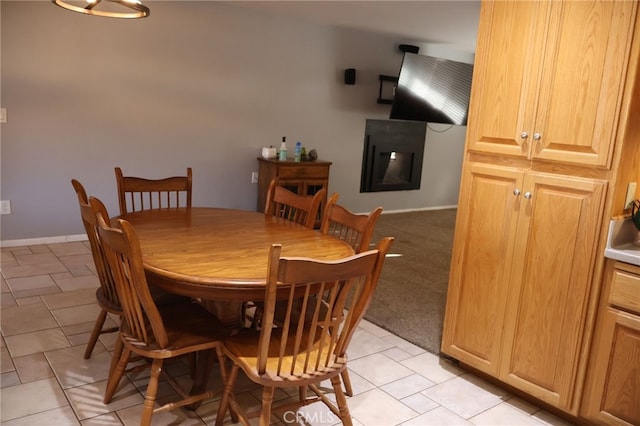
392 156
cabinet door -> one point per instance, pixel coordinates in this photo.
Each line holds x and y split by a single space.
552 273
616 382
553 71
480 266
505 84
585 61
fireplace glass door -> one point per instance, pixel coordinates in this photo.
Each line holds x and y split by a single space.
392 156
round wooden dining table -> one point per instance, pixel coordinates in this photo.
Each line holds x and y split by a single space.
221 254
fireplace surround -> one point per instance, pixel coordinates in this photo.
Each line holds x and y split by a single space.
392 155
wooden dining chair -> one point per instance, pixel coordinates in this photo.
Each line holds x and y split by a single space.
302 209
136 193
309 346
357 231
157 332
106 294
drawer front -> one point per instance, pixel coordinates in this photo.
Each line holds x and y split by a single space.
303 172
625 290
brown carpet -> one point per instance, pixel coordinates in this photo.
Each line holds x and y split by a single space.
412 291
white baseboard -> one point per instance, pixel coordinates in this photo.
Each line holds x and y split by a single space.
44 240
423 209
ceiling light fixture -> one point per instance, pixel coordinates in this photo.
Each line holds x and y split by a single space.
108 8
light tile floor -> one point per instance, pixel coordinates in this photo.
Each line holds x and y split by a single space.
48 311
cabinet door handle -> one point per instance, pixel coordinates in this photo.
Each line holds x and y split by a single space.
516 192
528 195
524 135
537 136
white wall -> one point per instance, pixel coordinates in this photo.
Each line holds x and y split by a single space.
197 84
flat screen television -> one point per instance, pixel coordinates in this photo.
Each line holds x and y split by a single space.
432 89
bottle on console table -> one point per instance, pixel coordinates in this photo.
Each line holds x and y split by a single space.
297 152
282 154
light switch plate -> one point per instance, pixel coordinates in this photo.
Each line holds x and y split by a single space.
3 115
631 195
5 207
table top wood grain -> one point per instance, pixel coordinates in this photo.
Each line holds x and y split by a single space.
221 254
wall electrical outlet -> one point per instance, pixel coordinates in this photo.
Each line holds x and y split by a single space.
631 195
5 207
254 177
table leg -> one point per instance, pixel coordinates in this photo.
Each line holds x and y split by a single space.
229 313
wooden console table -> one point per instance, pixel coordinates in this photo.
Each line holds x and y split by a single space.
302 177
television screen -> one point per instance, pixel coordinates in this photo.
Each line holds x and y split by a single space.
432 89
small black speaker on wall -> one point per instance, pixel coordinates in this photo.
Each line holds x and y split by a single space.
350 76
408 48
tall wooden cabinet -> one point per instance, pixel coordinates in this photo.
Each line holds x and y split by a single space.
548 91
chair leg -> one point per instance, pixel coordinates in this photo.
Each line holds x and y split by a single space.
341 401
116 370
223 375
152 391
267 400
115 356
228 389
348 390
97 330
302 394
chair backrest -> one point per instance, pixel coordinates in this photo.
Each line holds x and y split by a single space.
136 193
89 213
331 296
302 209
355 229
122 248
